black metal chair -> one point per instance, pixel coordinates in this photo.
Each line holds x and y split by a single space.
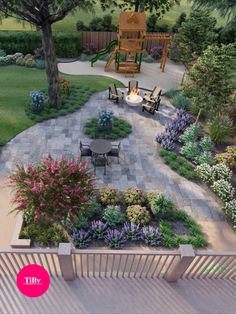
152 105
85 150
156 92
100 161
115 151
114 94
132 84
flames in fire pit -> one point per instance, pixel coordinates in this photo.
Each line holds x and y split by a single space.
134 94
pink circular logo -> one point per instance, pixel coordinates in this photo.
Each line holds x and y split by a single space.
33 280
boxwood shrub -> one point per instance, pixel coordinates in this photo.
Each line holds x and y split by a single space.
27 42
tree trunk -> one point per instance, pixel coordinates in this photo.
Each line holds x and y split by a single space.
142 6
51 66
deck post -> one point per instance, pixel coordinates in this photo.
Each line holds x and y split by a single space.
65 261
178 268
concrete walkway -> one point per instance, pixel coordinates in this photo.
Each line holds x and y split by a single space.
150 75
123 296
140 164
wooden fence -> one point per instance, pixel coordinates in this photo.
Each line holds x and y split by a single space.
99 40
171 265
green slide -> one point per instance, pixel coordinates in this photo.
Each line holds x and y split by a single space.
104 51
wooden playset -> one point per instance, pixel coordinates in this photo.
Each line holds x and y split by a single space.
130 44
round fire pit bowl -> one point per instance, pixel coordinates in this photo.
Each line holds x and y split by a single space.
133 100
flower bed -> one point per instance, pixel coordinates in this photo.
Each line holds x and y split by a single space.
59 203
118 129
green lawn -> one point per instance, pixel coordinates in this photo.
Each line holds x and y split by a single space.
68 24
16 83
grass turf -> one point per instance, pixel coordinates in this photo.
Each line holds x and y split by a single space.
17 83
69 22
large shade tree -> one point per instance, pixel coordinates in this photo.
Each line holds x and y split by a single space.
42 14
158 7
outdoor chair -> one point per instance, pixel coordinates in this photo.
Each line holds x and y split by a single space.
132 85
114 94
115 151
152 106
100 161
85 150
153 95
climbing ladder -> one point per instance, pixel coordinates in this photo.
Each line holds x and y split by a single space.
112 58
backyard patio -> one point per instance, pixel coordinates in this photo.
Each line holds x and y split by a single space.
140 164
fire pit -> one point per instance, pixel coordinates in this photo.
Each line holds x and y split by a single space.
134 99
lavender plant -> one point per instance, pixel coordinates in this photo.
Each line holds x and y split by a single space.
151 236
132 231
98 229
115 239
81 238
174 129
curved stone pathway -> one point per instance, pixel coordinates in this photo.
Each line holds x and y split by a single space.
140 164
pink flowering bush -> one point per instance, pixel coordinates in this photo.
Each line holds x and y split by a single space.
135 196
53 190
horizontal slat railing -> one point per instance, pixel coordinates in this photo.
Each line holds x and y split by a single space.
122 264
11 261
212 265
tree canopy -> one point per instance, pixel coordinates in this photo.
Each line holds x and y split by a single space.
159 7
210 81
226 8
194 35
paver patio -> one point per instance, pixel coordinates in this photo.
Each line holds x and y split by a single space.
140 164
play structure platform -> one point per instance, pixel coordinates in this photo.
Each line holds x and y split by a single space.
128 49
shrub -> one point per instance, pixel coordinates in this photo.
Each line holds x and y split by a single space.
115 239
53 189
204 172
220 128
113 216
230 209
179 101
64 86
98 229
40 64
134 196
44 234
2 53
171 93
27 42
105 119
81 238
204 158
148 59
179 21
156 52
191 134
81 27
30 63
223 189
228 158
37 101
132 231
174 129
221 172
108 196
190 150
161 205
10 59
206 144
138 214
151 236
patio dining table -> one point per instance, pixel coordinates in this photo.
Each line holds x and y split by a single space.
100 147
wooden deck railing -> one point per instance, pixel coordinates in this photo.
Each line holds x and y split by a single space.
171 265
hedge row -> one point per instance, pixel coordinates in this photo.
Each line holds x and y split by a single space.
67 44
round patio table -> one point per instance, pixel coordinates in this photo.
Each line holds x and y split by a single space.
100 147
